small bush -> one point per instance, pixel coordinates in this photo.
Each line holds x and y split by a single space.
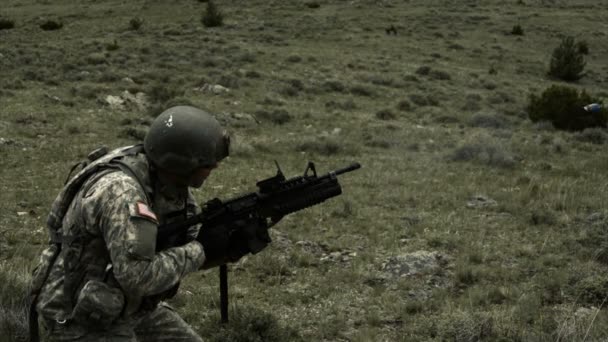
361 90
348 104
593 135
326 147
440 75
517 30
6 24
592 290
563 106
484 152
488 121
161 93
277 116
385 114
96 58
133 133
423 70
404 106
582 47
421 100
567 63
113 46
294 59
333 86
313 4
135 24
212 16
51 25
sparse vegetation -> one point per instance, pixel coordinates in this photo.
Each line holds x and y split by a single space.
437 115
567 62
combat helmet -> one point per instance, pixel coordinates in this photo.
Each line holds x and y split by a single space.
184 138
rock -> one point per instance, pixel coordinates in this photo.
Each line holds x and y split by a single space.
52 97
115 102
128 101
213 88
128 80
481 202
584 313
343 257
312 247
6 141
139 100
410 264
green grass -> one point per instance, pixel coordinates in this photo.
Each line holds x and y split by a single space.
435 115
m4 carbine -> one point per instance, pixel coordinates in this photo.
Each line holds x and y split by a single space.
276 197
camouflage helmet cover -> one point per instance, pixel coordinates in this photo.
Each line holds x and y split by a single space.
183 138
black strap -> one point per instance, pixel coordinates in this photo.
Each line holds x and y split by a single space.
33 321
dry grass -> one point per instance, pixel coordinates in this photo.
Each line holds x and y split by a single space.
435 114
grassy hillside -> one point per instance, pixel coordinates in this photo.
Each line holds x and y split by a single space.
467 222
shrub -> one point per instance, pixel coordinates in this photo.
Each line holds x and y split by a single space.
423 70
488 121
582 47
249 324
313 4
277 116
385 114
593 135
6 24
484 152
563 106
404 106
567 63
517 30
212 16
324 146
440 75
333 86
135 24
51 25
113 46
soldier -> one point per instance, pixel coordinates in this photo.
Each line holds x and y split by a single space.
103 278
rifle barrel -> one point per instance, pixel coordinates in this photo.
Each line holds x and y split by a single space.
351 167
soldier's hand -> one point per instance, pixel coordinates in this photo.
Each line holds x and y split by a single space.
230 243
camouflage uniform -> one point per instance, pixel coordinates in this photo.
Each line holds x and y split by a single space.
118 219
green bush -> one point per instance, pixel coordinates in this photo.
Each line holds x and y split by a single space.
567 62
51 25
582 47
135 24
517 30
563 107
6 24
212 16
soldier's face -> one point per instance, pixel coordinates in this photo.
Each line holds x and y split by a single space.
198 176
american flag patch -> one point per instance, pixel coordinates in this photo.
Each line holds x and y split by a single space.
144 211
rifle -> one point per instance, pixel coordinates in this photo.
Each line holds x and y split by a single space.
276 197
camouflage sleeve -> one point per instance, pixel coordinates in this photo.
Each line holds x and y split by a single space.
129 232
193 209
